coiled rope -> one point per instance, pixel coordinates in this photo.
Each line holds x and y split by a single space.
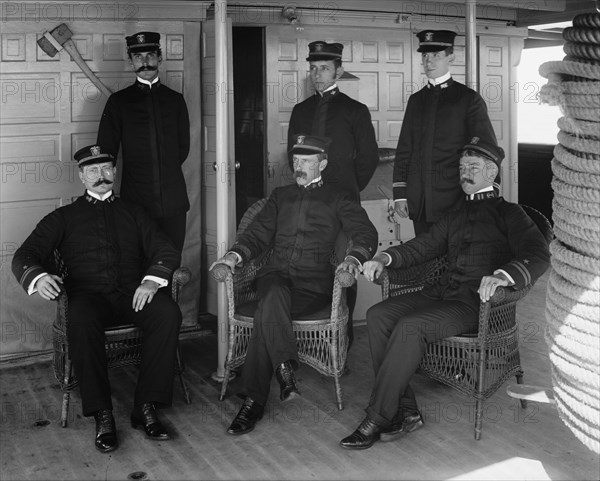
573 297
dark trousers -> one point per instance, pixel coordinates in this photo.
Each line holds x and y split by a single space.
174 228
421 226
273 340
159 320
399 330
351 295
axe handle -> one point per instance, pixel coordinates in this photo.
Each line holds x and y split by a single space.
70 47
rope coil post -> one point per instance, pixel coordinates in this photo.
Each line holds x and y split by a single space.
573 296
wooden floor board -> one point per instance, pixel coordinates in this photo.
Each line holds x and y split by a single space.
296 440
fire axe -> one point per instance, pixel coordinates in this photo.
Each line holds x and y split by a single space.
53 42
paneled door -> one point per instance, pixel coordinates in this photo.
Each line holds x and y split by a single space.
49 110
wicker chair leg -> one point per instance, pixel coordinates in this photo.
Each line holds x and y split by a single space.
225 382
180 369
67 381
519 377
338 392
478 418
65 409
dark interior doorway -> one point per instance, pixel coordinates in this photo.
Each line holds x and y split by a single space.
248 65
535 177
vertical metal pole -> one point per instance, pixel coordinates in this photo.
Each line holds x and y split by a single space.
223 173
471 44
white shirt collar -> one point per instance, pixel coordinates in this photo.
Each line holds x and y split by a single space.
440 80
99 197
147 82
314 181
331 87
485 189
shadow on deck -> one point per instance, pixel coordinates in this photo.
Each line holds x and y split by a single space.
298 440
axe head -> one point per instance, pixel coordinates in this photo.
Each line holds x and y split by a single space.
61 34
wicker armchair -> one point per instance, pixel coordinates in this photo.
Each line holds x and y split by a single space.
123 343
476 364
322 337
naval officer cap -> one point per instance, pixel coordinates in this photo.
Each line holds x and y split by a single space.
435 40
310 145
487 150
92 154
321 50
143 42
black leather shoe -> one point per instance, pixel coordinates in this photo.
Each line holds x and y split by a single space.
144 416
364 437
410 423
287 381
250 413
106 432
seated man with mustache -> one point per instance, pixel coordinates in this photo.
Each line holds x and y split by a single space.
116 260
489 243
301 222
150 123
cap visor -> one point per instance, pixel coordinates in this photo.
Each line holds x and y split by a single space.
305 150
323 56
148 47
432 48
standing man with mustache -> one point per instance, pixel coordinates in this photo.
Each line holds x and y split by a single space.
117 261
439 120
151 124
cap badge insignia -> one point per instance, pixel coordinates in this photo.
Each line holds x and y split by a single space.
300 139
475 140
318 47
95 150
429 37
141 38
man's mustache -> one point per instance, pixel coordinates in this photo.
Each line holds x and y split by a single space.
149 68
102 181
464 180
299 174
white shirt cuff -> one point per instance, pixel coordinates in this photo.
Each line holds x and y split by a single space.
357 261
32 289
398 200
237 256
388 257
510 279
159 280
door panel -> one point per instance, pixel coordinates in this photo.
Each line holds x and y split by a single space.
494 74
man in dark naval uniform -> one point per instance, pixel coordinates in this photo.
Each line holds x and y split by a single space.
353 155
489 243
150 122
302 221
116 259
439 120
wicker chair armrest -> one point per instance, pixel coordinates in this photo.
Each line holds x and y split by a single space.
220 272
506 294
341 280
503 296
345 278
61 320
182 276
